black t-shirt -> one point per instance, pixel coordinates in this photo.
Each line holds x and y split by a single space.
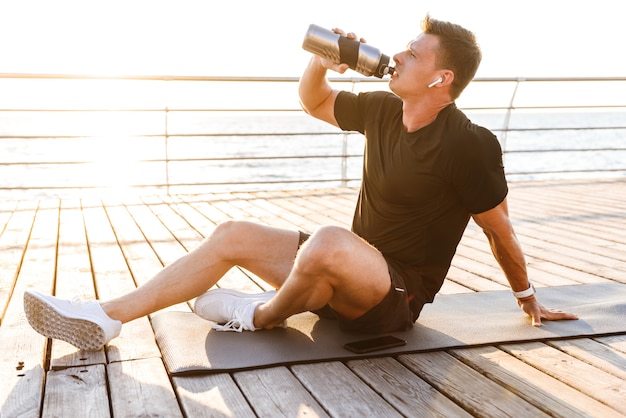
420 188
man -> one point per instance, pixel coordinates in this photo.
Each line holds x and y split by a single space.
427 170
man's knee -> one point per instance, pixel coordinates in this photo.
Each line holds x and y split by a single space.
226 230
229 228
225 236
326 247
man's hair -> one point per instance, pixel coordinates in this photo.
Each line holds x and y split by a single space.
458 51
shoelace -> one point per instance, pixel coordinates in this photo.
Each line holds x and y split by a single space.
77 300
232 325
237 322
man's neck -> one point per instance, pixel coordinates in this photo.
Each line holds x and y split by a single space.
417 115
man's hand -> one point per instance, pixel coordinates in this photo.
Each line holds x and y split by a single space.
339 68
537 311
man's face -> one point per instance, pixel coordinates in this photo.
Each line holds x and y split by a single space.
415 66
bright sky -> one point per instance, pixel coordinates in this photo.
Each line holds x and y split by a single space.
529 38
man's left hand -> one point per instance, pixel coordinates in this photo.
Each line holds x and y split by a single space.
537 311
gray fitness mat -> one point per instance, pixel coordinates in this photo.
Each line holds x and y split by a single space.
190 345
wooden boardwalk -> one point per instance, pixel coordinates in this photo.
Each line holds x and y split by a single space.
573 232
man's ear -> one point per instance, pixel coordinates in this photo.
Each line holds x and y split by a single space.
447 77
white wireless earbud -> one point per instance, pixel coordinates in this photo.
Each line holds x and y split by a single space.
437 81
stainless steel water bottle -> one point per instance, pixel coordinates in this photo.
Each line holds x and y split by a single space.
361 57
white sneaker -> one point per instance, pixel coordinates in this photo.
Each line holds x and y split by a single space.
231 310
81 323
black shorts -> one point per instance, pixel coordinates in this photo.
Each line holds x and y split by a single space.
393 313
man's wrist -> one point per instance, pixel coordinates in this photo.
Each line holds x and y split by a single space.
525 293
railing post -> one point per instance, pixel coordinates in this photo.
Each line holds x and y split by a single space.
344 161
167 154
507 117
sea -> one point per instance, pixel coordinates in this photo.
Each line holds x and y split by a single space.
73 150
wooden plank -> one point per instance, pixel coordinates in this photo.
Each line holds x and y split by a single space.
539 268
544 271
284 219
235 278
484 268
275 392
139 254
75 390
545 392
477 394
244 203
450 287
594 231
589 197
168 249
7 210
588 379
113 279
540 215
609 230
575 238
179 228
564 210
574 258
616 342
271 213
156 234
555 213
74 279
555 202
404 390
22 350
21 387
13 240
190 239
580 247
310 218
141 388
297 215
341 392
210 211
210 396
195 219
339 201
322 213
599 355
471 280
231 211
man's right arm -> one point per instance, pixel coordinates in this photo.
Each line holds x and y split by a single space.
316 95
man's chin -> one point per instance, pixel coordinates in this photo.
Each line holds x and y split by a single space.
392 83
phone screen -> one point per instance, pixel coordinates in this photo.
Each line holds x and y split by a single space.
374 344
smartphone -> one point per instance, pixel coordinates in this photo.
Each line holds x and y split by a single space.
374 344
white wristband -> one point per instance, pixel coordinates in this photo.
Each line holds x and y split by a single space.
525 293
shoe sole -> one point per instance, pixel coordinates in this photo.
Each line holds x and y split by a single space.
46 320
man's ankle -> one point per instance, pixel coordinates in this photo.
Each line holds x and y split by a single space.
111 311
263 319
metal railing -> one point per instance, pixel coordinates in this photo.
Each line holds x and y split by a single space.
66 133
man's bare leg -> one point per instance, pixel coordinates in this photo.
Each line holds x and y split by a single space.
265 251
334 267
